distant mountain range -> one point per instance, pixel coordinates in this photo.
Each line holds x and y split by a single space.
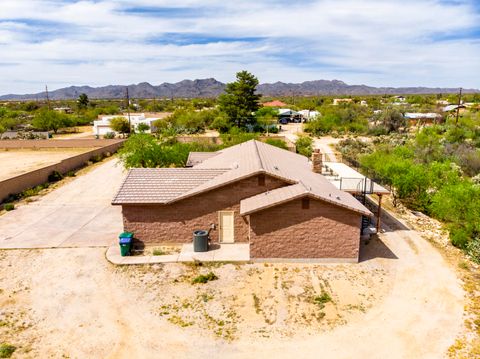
212 88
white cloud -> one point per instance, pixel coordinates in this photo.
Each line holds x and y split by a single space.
383 43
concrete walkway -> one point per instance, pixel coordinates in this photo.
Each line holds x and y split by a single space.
78 214
235 252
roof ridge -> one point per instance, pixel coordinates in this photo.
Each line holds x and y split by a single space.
258 155
307 189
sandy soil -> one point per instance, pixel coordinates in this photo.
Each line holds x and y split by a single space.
69 302
16 162
80 132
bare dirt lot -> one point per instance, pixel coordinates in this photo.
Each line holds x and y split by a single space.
17 162
71 302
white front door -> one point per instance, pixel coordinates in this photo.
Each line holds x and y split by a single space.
227 226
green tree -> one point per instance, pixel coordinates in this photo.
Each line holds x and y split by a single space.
120 124
240 101
304 146
83 101
143 127
140 150
49 120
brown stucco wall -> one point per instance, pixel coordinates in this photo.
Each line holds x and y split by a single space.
175 223
288 231
66 143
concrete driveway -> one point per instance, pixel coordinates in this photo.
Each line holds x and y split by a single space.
77 214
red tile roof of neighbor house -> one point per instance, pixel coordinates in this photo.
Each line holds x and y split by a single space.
167 185
275 103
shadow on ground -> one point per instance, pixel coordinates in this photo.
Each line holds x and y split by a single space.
375 248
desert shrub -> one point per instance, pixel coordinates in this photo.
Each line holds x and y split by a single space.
352 148
473 250
277 143
190 121
236 136
459 205
96 158
304 146
6 350
323 298
71 174
377 131
468 158
55 176
342 119
221 124
9 207
204 278
158 252
109 135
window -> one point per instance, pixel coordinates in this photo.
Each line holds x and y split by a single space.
261 180
305 203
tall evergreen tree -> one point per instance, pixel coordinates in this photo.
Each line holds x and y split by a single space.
239 102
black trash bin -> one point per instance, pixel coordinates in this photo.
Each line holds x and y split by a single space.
200 241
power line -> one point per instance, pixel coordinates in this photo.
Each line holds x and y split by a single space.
458 106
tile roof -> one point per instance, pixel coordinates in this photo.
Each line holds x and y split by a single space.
235 163
284 194
161 185
195 158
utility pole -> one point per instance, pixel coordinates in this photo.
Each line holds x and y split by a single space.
48 99
128 110
458 106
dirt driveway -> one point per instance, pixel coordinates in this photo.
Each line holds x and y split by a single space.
77 214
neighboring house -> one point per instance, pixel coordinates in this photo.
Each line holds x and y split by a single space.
102 126
252 192
289 115
309 115
450 108
415 118
275 103
337 101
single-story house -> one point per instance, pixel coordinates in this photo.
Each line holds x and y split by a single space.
450 108
309 115
273 199
428 118
102 126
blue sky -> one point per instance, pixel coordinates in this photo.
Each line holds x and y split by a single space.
373 42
